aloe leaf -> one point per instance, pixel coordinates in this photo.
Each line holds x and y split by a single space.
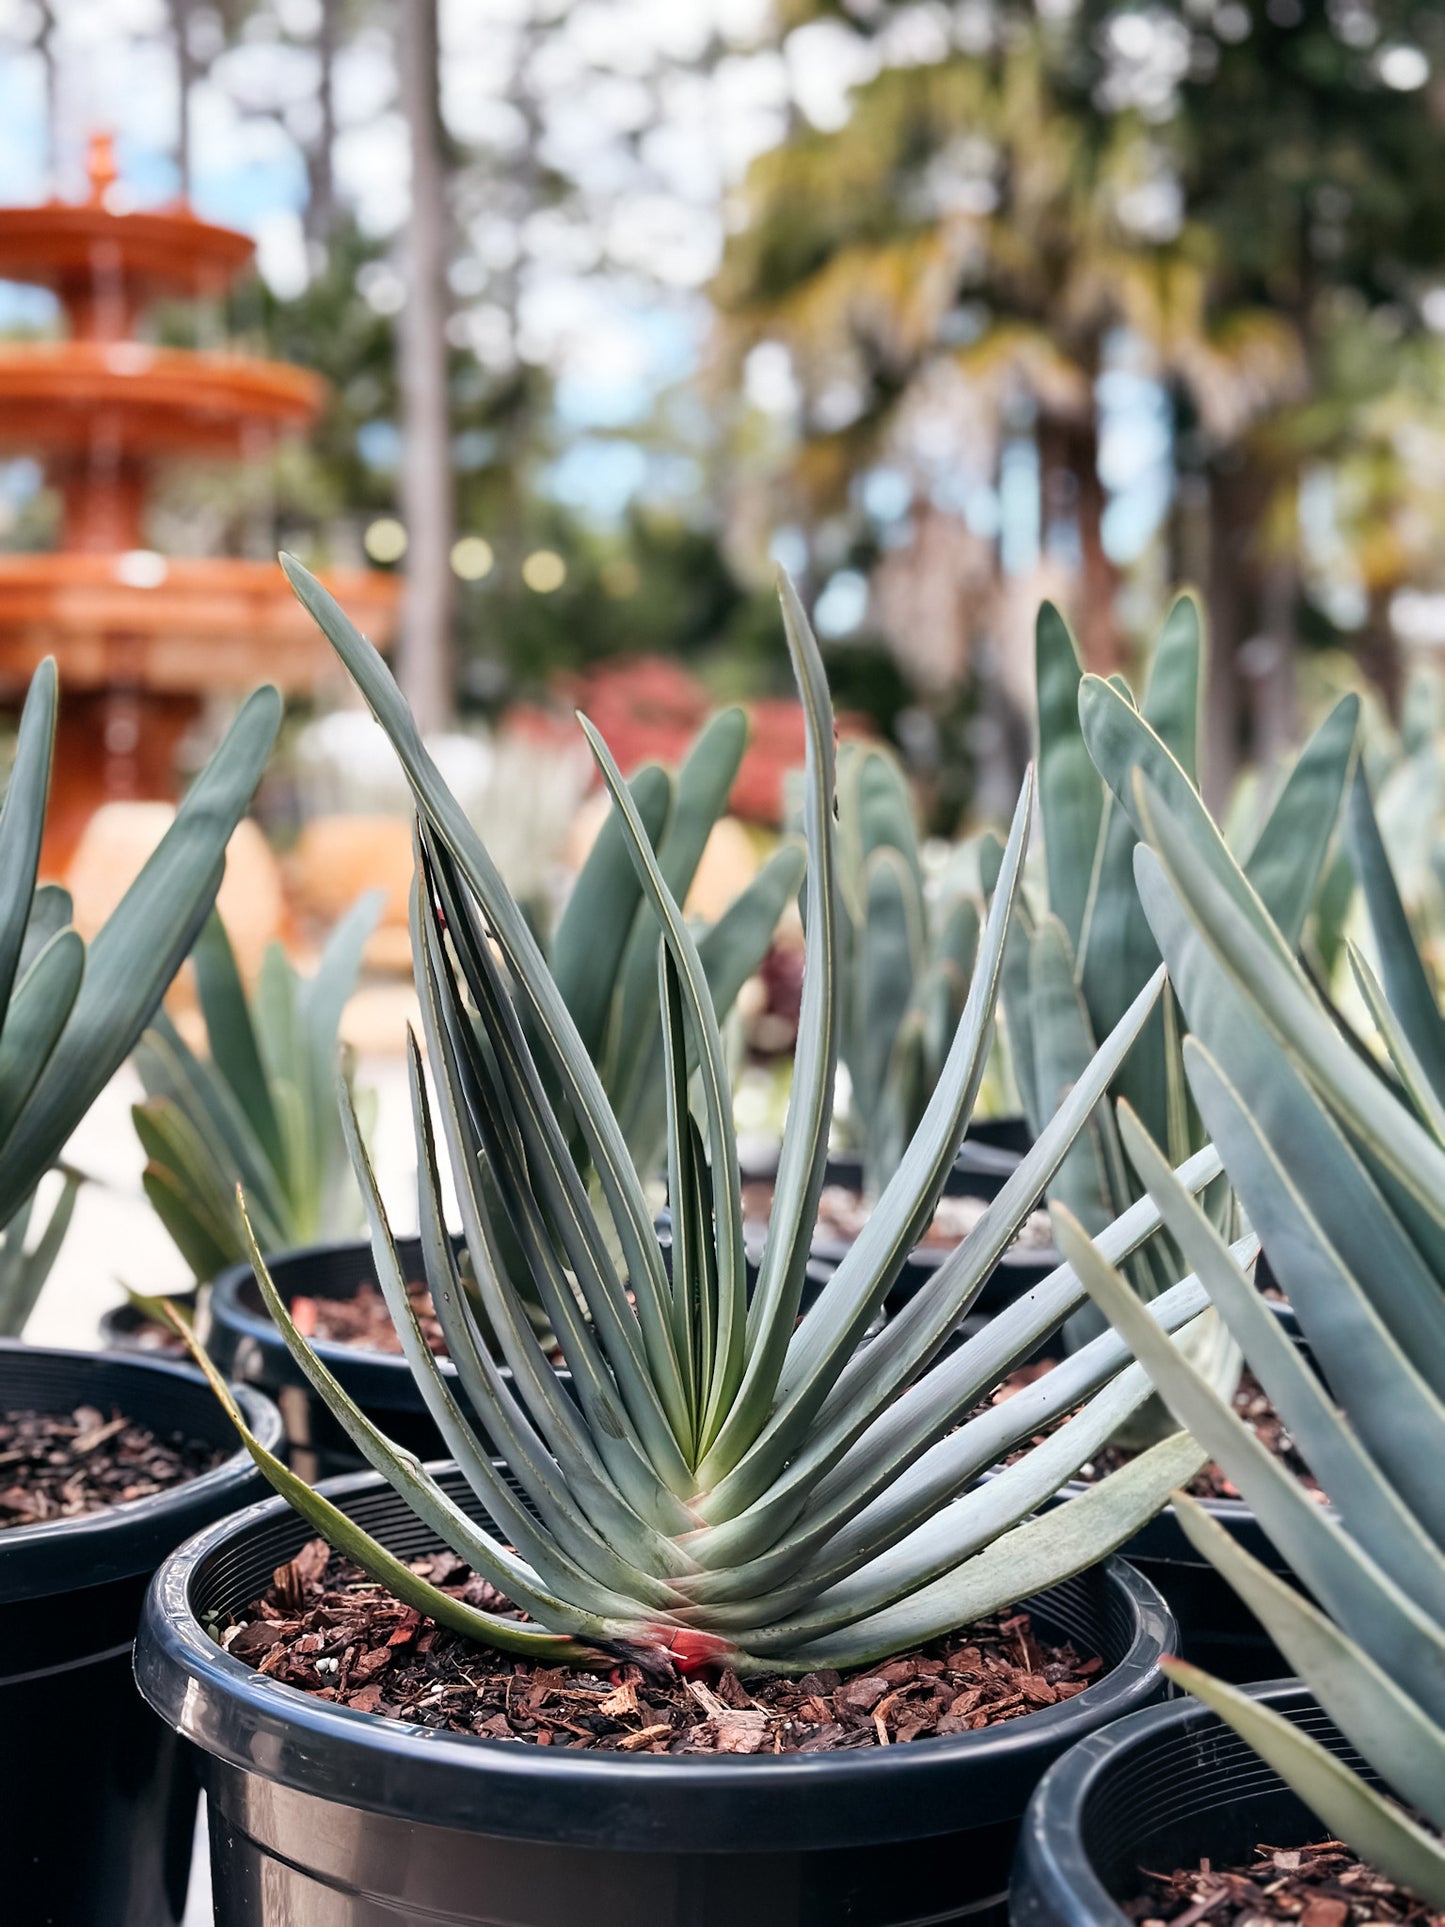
688 1228
1213 957
890 951
1041 1552
530 1164
1371 1509
1071 797
1374 1712
1063 1045
50 911
234 1051
23 1272
1288 859
22 819
803 1155
35 1020
1398 1414
547 1014
1410 993
323 1000
1365 1601
1176 678
812 1358
1126 753
558 1567
570 1492
731 950
848 1468
638 1458
592 936
716 1095
917 1520
169 1069
404 1472
703 785
1377 1830
140 948
189 1227
949 1534
1409 1069
342 1532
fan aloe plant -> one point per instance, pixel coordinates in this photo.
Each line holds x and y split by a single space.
1072 968
72 1012
261 1102
906 962
1340 1164
602 955
729 1483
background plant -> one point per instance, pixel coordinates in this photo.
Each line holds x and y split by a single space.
603 954
729 1483
1339 1159
1074 963
72 1011
261 1104
907 957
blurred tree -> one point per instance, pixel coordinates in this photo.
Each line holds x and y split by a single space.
1015 189
425 648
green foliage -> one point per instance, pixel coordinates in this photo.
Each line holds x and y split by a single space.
260 1105
602 953
906 961
1339 1160
72 1013
729 1483
1075 964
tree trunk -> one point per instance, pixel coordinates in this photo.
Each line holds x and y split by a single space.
321 195
425 654
186 74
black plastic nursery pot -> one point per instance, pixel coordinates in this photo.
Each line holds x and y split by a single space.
248 1348
1162 1789
322 1816
125 1328
98 1799
979 1176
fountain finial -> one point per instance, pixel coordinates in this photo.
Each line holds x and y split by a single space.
100 167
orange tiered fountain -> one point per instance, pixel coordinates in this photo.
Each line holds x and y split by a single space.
141 637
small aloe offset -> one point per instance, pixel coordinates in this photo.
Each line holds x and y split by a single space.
727 1482
261 1101
72 1012
1338 1156
906 962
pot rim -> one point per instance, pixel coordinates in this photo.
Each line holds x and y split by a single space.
125 1540
712 1803
1050 1840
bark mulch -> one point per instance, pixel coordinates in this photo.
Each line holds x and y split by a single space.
842 1213
1319 1885
362 1319
324 1627
59 1465
1250 1403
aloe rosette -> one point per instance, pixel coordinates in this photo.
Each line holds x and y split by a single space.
729 1482
1338 1156
71 1011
